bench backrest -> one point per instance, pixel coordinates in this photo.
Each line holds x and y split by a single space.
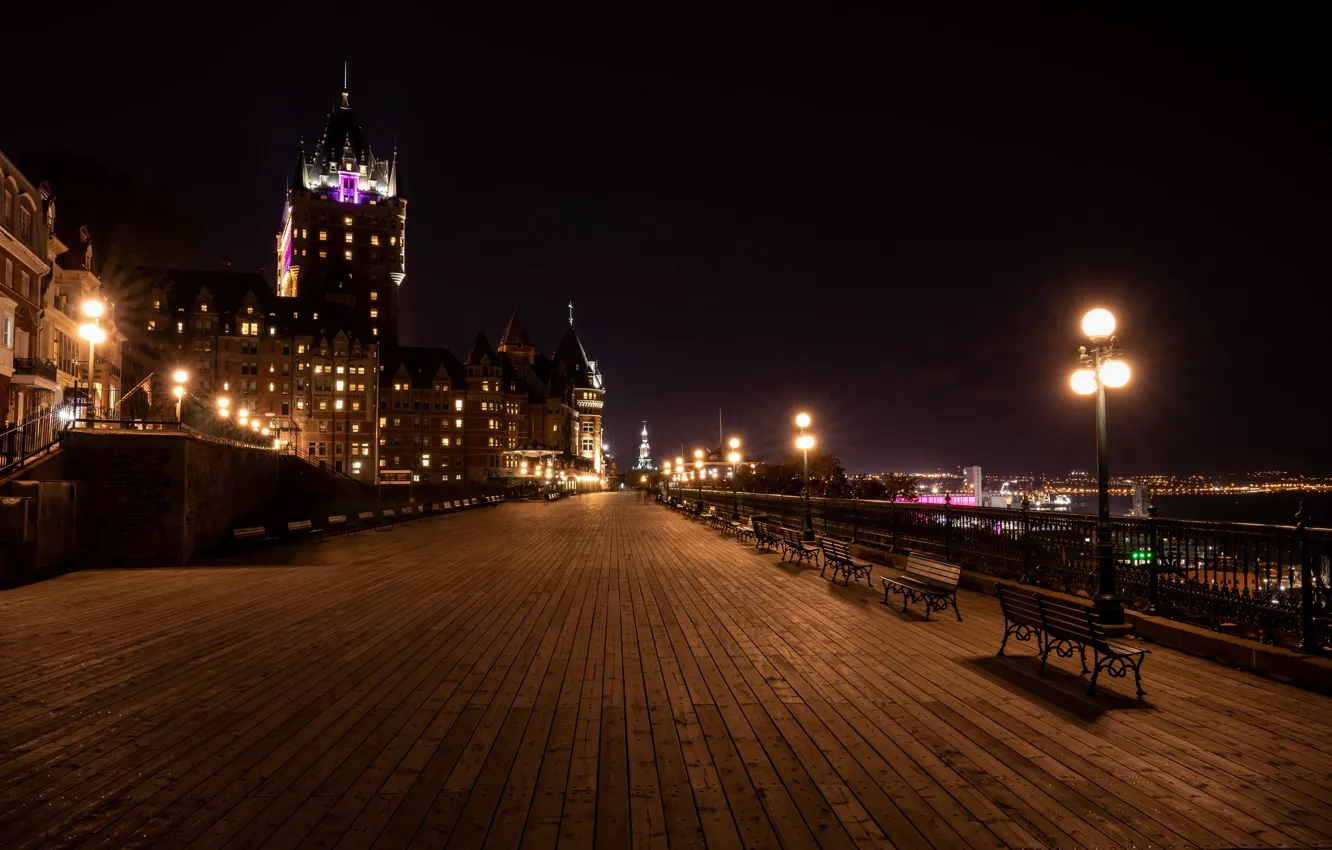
935 572
302 525
337 520
1019 605
365 515
247 533
389 512
1069 619
793 537
835 549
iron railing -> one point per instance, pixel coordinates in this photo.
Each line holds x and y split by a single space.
33 437
1268 582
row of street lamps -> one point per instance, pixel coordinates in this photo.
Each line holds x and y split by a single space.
804 442
1100 366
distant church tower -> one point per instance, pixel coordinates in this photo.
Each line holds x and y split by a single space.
644 452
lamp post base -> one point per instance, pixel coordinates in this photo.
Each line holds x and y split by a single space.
1109 609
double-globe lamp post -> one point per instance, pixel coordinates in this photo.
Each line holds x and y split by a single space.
92 309
1102 367
805 442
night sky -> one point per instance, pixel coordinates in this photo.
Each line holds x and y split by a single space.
894 223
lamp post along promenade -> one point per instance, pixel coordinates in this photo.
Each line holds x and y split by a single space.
1102 367
734 458
805 442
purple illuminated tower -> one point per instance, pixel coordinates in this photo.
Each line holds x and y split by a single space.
343 236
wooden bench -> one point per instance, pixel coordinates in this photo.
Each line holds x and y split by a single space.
367 519
304 530
792 544
765 536
338 524
1069 625
254 534
930 582
838 554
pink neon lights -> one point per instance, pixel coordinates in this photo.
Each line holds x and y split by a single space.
349 192
937 499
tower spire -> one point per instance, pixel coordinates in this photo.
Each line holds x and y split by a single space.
346 103
570 312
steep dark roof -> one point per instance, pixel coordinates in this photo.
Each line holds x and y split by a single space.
480 349
571 355
227 289
422 365
342 130
516 333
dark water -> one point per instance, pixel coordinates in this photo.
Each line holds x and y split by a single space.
1267 508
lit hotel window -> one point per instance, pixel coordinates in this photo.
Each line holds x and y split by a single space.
180 327
323 253
272 331
425 460
203 308
374 295
337 405
393 240
304 233
457 423
374 314
347 220
339 370
374 239
457 404
347 254
323 236
340 386
374 331
348 236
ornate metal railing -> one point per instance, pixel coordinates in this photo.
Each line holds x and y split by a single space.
1268 582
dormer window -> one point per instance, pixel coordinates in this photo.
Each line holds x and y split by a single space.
203 308
249 311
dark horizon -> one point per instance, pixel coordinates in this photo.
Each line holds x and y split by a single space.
890 222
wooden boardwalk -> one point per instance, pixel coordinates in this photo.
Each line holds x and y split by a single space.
601 672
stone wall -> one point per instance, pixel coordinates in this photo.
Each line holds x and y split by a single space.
156 498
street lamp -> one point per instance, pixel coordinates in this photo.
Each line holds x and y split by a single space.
180 376
698 465
734 458
1102 367
222 402
666 476
805 442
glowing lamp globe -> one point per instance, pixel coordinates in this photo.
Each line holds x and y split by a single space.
1115 373
92 309
733 457
1084 382
802 420
698 453
92 333
679 461
178 391
1099 323
805 442
735 442
181 376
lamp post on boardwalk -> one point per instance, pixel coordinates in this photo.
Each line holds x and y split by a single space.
734 458
805 442
1102 367
698 468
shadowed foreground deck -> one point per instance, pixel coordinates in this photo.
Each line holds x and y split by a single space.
601 672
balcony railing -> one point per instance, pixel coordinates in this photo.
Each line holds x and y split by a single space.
36 367
1267 582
